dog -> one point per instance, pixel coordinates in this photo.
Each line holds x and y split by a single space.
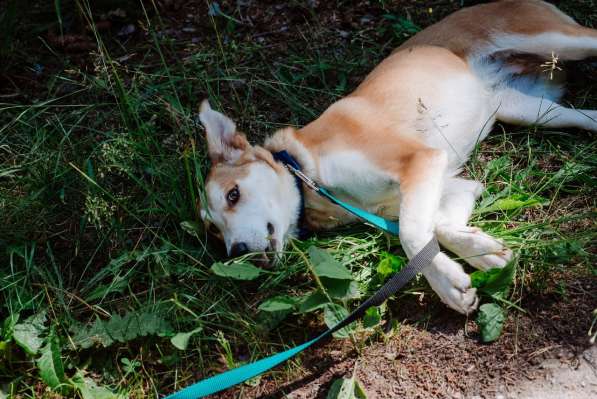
396 145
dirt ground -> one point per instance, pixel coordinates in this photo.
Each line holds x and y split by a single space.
543 353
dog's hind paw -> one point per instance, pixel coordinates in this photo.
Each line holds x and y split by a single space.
474 246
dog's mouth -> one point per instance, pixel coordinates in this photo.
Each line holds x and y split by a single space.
266 259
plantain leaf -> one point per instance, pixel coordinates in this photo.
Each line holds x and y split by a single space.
313 301
50 364
278 303
326 266
28 335
490 321
494 282
341 289
236 271
334 314
346 388
88 388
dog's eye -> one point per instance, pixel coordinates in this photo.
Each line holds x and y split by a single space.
233 196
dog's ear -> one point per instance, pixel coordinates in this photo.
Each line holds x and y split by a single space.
223 142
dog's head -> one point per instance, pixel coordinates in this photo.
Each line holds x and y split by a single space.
252 202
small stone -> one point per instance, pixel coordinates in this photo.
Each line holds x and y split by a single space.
189 29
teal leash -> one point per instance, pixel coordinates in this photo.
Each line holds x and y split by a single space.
238 375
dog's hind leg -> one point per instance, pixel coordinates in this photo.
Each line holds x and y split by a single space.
474 246
522 109
568 42
420 193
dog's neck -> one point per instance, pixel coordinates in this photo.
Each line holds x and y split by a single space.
286 140
320 214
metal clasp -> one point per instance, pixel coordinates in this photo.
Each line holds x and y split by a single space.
304 178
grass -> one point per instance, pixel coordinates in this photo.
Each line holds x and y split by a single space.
102 169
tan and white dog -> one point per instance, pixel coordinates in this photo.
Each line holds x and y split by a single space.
397 143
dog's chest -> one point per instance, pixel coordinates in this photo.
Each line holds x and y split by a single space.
349 174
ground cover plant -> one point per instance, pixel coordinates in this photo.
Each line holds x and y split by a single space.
111 287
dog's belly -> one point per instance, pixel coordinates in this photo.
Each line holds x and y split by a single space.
455 117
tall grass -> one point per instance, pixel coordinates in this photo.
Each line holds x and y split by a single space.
101 178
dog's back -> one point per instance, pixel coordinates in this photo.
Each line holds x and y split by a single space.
505 26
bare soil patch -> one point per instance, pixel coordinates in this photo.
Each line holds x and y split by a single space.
543 353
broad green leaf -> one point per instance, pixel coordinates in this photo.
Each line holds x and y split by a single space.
49 363
389 265
181 340
513 202
490 321
494 282
334 314
479 277
28 335
346 388
88 388
266 321
313 301
341 289
278 303
318 255
326 266
237 271
342 388
371 318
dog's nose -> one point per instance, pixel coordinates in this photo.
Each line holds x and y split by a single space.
238 249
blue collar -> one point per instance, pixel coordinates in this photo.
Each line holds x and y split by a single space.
287 159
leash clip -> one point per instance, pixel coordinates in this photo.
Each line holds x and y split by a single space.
304 178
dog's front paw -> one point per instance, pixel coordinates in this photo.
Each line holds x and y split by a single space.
463 301
452 284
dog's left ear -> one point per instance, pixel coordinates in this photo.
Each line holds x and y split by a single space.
223 142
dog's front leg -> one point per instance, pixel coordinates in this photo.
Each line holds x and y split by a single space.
421 183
